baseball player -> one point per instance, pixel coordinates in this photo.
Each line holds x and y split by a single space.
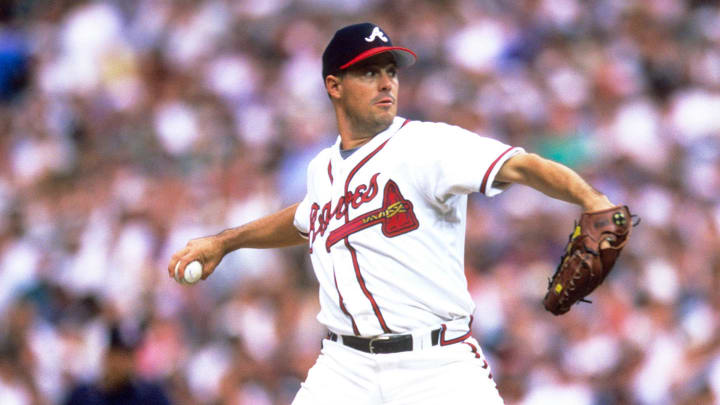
384 221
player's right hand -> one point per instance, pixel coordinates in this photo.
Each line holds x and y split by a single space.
207 250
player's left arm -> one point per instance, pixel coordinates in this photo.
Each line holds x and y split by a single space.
552 179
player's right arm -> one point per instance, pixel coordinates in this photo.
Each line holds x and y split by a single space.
272 231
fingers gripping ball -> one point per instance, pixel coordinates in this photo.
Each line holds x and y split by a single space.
193 273
594 245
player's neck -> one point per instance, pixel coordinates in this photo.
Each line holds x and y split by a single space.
350 142
355 134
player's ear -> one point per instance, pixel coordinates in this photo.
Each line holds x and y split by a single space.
333 85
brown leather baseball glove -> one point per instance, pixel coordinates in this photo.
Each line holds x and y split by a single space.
590 254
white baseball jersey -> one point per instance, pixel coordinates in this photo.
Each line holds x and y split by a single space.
386 226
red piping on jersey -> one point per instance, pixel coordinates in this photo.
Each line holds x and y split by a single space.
356 266
361 164
330 171
342 307
490 169
367 293
444 342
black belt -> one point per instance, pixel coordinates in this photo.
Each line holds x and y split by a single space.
382 344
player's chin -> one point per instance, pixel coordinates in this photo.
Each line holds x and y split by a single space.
384 121
386 115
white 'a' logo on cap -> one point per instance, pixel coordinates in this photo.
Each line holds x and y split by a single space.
376 33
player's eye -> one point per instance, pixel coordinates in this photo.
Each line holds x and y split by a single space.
370 73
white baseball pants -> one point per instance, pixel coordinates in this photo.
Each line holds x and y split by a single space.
452 374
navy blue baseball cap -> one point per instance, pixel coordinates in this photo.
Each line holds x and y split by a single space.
357 42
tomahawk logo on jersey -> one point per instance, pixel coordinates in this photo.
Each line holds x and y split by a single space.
360 214
396 214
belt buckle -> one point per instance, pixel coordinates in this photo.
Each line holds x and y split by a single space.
377 339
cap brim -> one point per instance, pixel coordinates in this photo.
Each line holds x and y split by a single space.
403 56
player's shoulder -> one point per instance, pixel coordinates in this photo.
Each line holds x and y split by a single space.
442 139
430 128
430 133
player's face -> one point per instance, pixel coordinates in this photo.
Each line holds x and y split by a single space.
370 93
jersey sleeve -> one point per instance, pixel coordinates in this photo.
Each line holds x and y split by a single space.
302 217
461 162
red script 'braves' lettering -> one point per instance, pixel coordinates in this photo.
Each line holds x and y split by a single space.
320 217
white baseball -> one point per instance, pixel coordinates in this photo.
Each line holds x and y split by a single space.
193 272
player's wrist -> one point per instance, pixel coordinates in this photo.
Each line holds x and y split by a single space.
596 202
224 242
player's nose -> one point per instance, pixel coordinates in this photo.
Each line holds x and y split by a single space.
385 81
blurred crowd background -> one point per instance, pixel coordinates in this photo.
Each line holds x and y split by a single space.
128 127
